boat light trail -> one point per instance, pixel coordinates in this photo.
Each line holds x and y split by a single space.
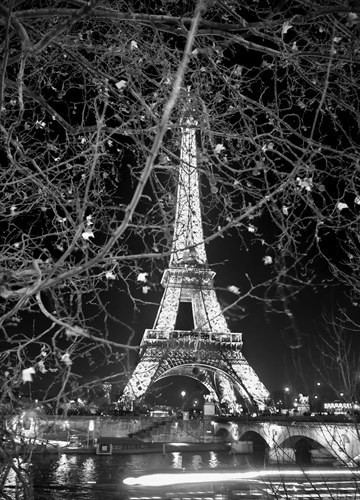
168 479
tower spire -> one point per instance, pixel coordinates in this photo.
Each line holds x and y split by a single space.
209 352
188 239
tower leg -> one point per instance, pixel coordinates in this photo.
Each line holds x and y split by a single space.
139 383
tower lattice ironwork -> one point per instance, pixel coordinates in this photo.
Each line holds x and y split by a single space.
209 352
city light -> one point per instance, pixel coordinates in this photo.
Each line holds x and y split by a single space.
183 394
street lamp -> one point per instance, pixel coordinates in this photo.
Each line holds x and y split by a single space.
91 428
183 394
286 397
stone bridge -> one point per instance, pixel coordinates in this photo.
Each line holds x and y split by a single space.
280 439
338 440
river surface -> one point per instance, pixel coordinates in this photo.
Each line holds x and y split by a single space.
188 475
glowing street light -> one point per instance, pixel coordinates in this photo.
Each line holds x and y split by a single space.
183 394
91 428
286 396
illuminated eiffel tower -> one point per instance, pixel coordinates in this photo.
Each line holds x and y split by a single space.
208 352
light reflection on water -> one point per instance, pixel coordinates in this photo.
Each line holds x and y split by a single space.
88 473
66 466
213 461
84 477
177 460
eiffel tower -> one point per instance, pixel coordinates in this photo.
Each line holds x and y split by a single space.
208 352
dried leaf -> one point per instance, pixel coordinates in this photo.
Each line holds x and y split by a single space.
27 374
219 148
87 234
286 27
142 277
65 358
340 206
120 85
267 260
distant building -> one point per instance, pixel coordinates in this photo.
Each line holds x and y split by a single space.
341 408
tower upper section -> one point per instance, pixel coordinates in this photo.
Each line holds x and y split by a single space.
188 245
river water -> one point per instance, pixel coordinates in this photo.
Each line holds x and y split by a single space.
91 477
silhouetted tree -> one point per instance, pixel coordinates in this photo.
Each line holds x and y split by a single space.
91 97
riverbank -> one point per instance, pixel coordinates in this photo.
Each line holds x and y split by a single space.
123 446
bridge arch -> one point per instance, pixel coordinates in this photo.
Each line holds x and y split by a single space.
293 440
306 449
260 446
223 433
306 442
